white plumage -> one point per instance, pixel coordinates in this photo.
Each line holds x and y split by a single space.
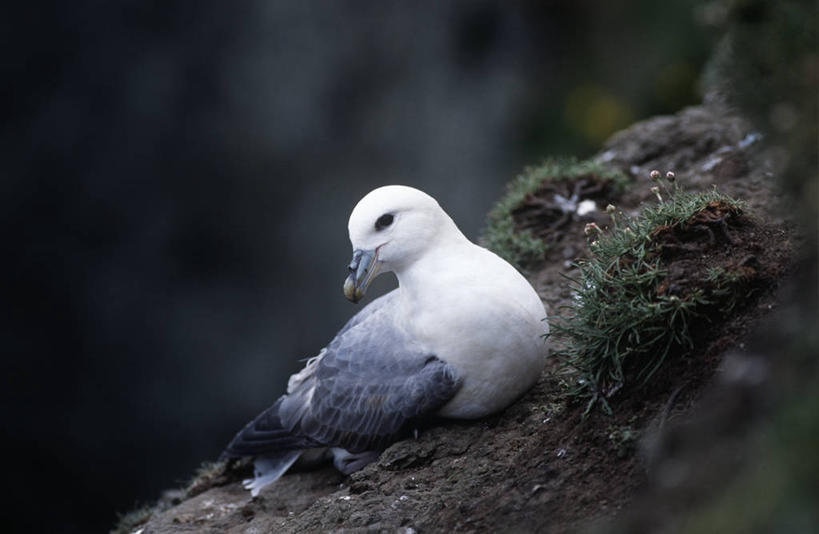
462 336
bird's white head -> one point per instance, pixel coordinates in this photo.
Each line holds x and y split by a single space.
390 229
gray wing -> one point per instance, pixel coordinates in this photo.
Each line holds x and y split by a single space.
357 394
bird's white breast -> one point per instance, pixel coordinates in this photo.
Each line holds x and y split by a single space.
489 325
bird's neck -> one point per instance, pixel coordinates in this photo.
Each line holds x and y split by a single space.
433 271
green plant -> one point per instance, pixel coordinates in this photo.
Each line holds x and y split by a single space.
630 313
509 236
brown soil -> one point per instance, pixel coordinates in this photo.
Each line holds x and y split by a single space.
720 238
538 466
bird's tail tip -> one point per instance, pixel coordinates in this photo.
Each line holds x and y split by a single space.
269 469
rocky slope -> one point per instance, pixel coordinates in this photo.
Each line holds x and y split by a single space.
539 466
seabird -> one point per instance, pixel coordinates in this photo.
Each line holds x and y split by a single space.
462 336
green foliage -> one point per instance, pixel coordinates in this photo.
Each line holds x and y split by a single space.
521 247
623 326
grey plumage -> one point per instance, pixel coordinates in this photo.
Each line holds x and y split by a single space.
357 394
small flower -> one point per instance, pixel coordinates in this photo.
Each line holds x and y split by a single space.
670 176
656 191
654 176
591 228
610 209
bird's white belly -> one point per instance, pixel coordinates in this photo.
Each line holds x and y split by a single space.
494 385
497 360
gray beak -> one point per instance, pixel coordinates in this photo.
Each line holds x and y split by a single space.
363 269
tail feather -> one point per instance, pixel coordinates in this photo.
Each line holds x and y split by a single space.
265 434
268 469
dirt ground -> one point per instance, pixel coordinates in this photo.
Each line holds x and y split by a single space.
538 466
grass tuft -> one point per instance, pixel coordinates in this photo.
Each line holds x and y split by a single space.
630 313
521 244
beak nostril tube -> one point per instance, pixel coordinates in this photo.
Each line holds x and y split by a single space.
353 267
363 268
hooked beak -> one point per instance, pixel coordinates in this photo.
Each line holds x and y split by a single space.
363 269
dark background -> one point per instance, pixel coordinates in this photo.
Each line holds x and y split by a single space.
176 179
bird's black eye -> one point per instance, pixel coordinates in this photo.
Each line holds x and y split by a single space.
383 221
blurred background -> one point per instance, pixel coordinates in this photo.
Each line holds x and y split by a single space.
176 179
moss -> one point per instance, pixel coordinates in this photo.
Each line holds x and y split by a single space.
643 286
523 246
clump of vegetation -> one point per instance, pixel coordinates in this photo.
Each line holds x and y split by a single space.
650 283
541 202
134 519
211 474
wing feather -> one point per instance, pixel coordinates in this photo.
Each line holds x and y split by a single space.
358 394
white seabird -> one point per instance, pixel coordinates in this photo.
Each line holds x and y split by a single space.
462 336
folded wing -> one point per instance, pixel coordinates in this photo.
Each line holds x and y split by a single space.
357 394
